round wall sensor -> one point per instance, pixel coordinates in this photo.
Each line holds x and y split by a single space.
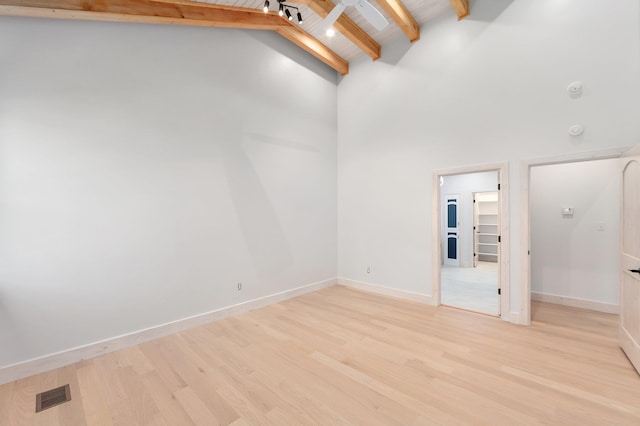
576 130
575 88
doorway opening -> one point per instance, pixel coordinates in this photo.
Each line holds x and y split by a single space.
565 210
575 238
470 267
574 213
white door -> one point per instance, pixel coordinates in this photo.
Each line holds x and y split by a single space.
630 276
452 234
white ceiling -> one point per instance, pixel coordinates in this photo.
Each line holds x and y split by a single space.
422 11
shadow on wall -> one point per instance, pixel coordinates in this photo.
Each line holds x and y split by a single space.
278 43
15 335
489 11
279 141
397 49
261 229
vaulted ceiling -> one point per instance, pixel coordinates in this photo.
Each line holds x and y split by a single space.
355 36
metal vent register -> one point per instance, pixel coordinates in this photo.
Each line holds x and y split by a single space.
52 397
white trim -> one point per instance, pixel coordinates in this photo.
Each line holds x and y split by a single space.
515 318
630 347
436 239
632 152
591 305
581 156
70 356
525 237
504 250
387 291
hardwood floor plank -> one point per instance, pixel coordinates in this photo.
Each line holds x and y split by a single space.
133 357
200 377
170 409
574 391
93 396
6 398
138 404
409 402
195 408
72 412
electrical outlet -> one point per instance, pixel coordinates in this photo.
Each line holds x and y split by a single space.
368 270
239 286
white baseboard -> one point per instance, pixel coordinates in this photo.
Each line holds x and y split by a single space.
592 305
70 356
387 291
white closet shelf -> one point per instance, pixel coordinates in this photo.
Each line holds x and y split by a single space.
487 227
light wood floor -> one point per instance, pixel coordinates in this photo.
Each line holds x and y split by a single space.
341 356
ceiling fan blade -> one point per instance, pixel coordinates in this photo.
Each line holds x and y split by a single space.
372 15
332 17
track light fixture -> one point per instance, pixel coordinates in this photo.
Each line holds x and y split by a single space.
283 10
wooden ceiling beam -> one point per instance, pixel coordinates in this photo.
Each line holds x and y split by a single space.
176 12
461 7
145 11
296 35
402 17
345 26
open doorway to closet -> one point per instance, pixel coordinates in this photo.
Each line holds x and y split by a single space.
470 209
582 218
574 213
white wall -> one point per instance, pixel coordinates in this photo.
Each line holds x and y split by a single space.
487 89
576 256
465 185
145 170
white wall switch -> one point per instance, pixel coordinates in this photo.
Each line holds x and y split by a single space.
567 211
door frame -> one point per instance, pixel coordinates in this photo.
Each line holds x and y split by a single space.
524 317
476 227
436 241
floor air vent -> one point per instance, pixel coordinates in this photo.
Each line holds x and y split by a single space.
52 397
